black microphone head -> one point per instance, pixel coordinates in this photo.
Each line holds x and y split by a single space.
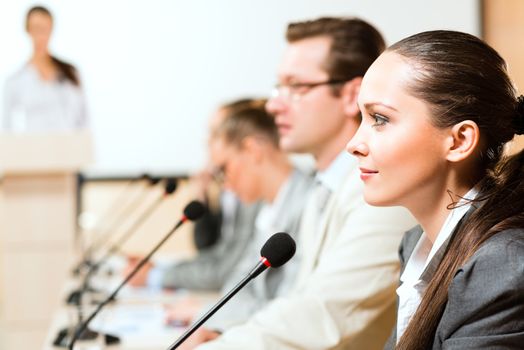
278 249
194 210
153 180
171 185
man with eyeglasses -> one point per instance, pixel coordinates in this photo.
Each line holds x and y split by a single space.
344 295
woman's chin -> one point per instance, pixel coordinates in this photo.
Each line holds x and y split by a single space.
377 200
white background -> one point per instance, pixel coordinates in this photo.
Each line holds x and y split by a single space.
154 70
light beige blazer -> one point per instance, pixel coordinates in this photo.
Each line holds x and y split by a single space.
344 296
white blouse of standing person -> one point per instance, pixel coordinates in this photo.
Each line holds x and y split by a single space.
45 93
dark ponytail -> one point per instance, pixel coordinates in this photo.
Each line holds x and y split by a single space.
462 78
67 72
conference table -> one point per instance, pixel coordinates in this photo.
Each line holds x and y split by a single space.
137 317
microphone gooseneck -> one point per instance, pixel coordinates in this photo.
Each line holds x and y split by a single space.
169 188
193 211
107 233
277 250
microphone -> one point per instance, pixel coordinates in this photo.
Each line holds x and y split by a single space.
193 211
153 180
107 233
170 187
277 250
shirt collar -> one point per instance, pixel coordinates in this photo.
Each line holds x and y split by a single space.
269 212
425 258
334 175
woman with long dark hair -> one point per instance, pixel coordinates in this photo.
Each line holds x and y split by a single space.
437 109
45 94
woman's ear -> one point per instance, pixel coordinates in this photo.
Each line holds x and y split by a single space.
463 140
349 94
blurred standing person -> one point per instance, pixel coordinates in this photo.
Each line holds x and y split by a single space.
45 94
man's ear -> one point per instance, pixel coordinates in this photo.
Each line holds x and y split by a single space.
462 141
349 94
253 147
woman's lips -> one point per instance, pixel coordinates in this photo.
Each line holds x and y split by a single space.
283 128
366 174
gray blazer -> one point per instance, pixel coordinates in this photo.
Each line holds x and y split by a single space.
213 265
273 282
485 308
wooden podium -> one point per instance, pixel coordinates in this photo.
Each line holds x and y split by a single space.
37 228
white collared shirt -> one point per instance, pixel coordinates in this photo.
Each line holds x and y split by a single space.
334 175
329 180
229 204
425 259
266 219
36 105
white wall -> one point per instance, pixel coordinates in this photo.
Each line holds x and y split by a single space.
154 70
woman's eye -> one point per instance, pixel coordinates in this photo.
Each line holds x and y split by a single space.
380 120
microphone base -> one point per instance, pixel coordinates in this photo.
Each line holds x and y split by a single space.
63 337
75 296
84 265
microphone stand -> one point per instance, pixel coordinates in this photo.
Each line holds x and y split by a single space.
62 338
86 259
277 250
261 266
74 297
83 326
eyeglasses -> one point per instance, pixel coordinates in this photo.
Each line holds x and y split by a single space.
295 91
219 173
